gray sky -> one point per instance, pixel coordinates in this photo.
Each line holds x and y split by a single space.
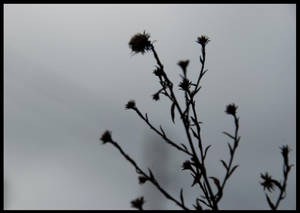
68 72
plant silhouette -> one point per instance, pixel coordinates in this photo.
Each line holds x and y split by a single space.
195 150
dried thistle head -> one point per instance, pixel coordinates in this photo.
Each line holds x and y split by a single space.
130 105
231 109
285 152
106 137
158 72
138 203
140 43
155 96
142 179
203 40
187 165
185 84
268 182
183 65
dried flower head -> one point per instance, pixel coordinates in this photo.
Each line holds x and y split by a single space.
158 72
155 96
285 151
187 165
185 84
130 105
140 43
138 203
268 182
106 137
183 65
203 40
231 109
142 179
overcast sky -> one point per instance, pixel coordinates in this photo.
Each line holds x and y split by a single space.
68 72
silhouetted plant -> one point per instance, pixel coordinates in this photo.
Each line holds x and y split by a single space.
196 151
138 203
269 183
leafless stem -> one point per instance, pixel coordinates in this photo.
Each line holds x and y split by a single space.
185 123
162 134
149 177
228 166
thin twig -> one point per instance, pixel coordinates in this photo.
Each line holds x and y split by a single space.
151 179
161 133
232 152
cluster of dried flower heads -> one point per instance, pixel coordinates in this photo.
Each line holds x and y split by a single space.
195 149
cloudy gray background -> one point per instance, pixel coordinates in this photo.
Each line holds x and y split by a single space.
68 72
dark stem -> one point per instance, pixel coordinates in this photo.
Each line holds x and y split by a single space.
161 133
202 67
174 99
228 170
286 169
203 189
152 180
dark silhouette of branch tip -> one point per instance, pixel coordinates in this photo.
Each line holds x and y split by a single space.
106 137
138 203
130 105
231 109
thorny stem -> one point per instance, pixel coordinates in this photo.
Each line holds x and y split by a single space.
185 122
151 179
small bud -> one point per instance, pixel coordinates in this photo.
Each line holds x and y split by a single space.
185 84
142 179
156 96
106 137
130 104
231 109
187 165
138 203
285 151
158 72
